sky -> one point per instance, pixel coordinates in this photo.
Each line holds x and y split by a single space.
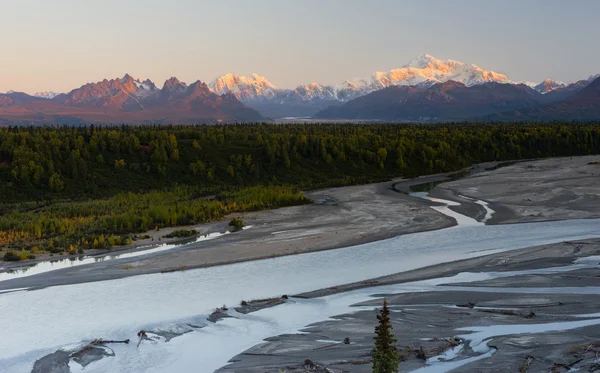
59 45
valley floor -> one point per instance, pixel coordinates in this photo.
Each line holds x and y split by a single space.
550 189
488 303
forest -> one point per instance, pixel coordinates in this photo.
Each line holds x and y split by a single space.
75 188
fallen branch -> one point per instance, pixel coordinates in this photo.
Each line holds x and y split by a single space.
567 366
466 305
100 341
526 364
96 342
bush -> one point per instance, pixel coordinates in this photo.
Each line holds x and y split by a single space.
23 255
181 233
11 256
237 223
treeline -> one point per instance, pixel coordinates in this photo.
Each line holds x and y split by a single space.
76 184
59 162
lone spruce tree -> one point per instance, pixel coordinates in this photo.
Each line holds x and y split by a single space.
386 358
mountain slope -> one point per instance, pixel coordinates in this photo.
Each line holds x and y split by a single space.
244 88
17 98
584 105
568 90
549 85
126 100
440 102
305 100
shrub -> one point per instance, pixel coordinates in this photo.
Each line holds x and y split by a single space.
181 233
237 223
23 255
11 256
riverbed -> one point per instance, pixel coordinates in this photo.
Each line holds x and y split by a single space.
48 319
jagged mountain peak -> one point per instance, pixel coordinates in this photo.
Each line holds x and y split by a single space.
244 88
127 78
174 84
199 85
549 85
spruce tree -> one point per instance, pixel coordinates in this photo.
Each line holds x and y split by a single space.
386 358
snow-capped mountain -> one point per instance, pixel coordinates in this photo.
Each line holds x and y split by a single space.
549 85
244 88
593 77
49 95
425 70
430 70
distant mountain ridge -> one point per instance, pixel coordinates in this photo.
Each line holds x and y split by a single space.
47 95
130 97
440 102
128 100
305 100
454 101
583 105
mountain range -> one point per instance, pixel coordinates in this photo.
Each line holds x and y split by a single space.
424 89
127 100
454 101
583 105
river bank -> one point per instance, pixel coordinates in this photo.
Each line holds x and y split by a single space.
340 217
528 191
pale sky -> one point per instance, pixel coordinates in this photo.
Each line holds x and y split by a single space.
61 44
